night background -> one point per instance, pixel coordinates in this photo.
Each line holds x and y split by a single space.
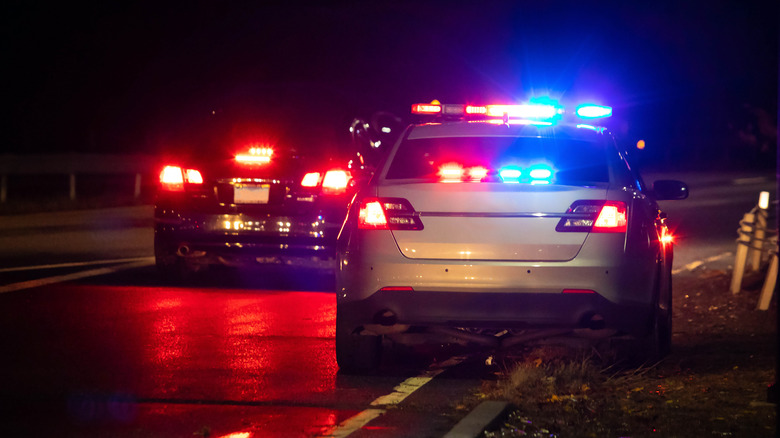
696 80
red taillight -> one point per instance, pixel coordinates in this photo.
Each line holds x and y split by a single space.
333 182
311 179
611 218
388 214
173 178
372 216
595 217
578 291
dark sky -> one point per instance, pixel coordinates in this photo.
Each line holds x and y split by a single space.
140 77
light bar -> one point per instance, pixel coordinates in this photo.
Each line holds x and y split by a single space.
426 108
256 156
529 111
593 111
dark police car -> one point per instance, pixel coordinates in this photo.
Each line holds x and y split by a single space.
261 205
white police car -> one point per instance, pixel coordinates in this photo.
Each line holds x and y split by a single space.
498 224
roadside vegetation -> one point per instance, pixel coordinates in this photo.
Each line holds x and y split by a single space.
715 382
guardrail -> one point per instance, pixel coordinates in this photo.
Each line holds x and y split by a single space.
756 245
75 166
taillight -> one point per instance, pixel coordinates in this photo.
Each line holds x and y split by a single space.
388 214
595 217
611 218
311 179
333 182
173 178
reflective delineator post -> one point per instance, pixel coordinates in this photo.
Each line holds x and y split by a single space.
743 242
757 254
769 284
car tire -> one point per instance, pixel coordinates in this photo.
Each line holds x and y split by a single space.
657 344
169 265
356 353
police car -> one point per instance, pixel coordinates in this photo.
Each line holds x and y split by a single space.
257 206
500 224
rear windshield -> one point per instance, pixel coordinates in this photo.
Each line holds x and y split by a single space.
570 161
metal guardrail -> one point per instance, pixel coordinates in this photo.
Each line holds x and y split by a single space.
74 165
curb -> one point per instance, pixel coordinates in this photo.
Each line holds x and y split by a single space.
478 420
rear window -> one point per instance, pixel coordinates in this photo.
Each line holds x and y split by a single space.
570 161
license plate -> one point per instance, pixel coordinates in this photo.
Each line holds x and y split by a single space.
251 194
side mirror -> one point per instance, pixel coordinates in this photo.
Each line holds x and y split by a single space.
667 189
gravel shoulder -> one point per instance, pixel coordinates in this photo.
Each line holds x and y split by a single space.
714 383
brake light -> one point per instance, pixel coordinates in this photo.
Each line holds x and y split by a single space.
173 178
388 214
311 179
372 216
611 219
335 181
194 176
595 217
256 155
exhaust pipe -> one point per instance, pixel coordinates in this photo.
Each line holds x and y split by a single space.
184 250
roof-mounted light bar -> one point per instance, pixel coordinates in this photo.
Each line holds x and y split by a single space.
548 111
593 111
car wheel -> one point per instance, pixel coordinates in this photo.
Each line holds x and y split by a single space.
356 353
169 265
658 342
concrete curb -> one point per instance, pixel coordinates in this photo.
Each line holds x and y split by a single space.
478 420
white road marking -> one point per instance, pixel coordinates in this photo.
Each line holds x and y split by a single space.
146 261
693 265
72 265
403 390
355 423
752 180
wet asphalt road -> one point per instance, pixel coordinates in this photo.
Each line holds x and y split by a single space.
122 354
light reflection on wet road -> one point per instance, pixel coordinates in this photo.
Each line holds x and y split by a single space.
172 361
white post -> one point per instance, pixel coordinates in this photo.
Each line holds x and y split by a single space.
756 253
769 285
745 234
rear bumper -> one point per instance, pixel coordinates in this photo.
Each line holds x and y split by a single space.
242 240
495 310
497 294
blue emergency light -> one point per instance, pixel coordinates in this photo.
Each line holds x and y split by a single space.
541 112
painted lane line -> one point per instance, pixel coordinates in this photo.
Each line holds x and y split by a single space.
408 386
750 180
148 261
72 265
693 265
355 423
403 390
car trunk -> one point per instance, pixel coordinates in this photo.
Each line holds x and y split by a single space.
490 221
